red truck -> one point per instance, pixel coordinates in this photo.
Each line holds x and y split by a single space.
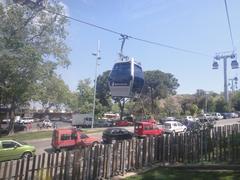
143 129
68 138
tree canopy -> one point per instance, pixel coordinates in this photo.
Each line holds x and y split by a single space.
31 47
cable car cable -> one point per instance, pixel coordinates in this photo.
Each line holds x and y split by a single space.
229 24
132 37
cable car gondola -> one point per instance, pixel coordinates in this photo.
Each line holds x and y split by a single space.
126 79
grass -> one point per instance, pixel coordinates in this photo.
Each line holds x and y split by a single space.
177 174
22 136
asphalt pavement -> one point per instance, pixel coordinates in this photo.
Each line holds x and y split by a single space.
44 145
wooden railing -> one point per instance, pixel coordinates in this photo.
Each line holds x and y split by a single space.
218 145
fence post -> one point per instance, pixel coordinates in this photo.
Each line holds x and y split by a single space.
5 170
61 166
67 165
56 166
21 169
17 169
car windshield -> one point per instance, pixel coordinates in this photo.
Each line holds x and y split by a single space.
167 125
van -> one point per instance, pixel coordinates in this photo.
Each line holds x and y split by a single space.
142 129
68 138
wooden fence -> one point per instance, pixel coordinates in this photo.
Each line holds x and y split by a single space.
219 145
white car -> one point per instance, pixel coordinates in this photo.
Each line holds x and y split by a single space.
6 121
189 118
217 116
26 120
47 123
174 127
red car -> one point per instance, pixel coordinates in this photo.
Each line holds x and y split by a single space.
70 138
143 129
124 123
150 120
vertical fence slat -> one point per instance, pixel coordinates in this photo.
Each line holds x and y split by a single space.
39 166
27 168
17 169
5 170
67 165
95 162
52 164
48 164
33 167
10 170
61 165
21 169
56 166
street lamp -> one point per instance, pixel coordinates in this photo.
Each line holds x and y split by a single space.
95 81
234 65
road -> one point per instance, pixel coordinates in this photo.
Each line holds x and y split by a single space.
44 145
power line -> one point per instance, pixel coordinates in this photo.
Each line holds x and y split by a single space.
229 24
132 37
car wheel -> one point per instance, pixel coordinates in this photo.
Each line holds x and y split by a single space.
27 155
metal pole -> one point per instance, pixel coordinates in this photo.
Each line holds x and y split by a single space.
95 82
225 79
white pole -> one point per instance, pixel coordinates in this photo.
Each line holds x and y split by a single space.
95 81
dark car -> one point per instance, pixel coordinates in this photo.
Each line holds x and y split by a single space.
111 135
19 127
3 132
194 126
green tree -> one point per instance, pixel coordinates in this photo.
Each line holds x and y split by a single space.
193 109
30 40
236 101
103 91
172 106
158 85
85 96
222 106
53 92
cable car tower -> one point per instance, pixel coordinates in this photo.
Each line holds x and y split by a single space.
126 79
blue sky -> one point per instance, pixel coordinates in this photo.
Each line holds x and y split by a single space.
194 25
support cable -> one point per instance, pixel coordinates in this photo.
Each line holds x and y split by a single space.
128 36
229 24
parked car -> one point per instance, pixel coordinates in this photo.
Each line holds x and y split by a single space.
10 149
47 123
19 127
123 123
234 115
229 115
111 135
194 126
150 120
143 129
189 118
174 127
16 128
3 132
217 116
68 138
5 121
170 118
25 120
102 123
